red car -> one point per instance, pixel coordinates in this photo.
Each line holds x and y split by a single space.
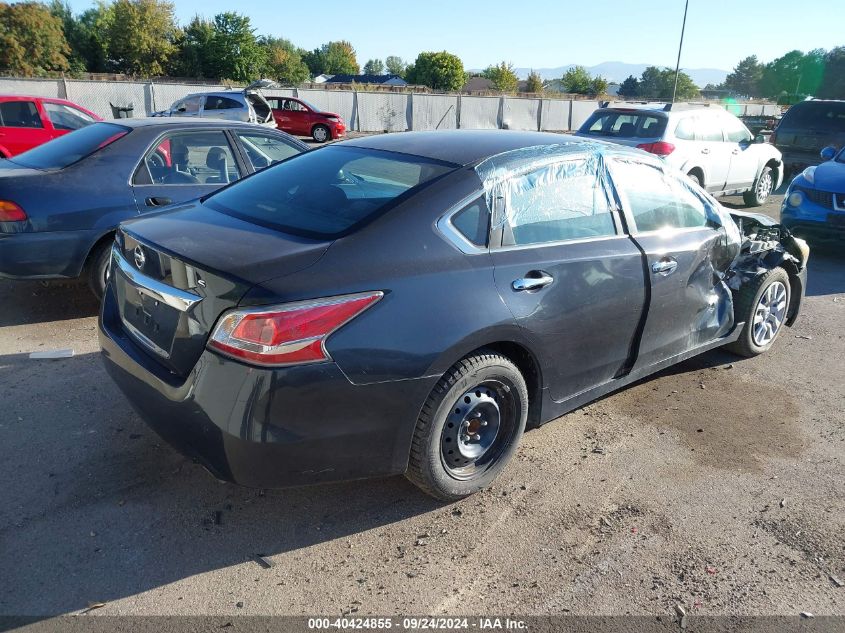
300 118
26 122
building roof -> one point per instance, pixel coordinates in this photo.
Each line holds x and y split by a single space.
366 79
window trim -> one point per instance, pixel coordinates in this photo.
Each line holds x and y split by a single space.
451 233
291 142
38 111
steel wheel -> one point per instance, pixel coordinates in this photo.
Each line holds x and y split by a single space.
769 314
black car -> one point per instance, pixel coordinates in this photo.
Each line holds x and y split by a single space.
407 303
61 202
807 128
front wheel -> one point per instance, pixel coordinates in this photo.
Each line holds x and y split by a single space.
762 189
763 305
321 133
469 427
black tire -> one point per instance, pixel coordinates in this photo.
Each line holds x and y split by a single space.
321 133
762 189
98 267
746 301
694 177
496 384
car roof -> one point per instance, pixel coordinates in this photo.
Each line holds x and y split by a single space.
186 123
469 147
215 93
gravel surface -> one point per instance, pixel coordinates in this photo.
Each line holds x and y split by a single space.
716 485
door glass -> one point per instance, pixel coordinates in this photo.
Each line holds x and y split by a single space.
213 102
473 222
19 114
64 117
686 129
560 202
657 201
190 158
707 128
264 151
735 131
188 105
293 106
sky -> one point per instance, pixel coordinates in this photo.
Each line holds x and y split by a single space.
536 34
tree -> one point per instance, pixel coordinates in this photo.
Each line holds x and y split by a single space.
655 83
374 67
439 71
395 65
333 58
745 78
794 73
629 88
32 40
284 62
577 80
598 86
236 52
534 84
833 83
141 35
503 77
196 53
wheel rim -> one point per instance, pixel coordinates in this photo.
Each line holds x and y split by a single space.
764 186
770 313
320 134
479 427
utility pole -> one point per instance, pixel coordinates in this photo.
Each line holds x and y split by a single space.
680 46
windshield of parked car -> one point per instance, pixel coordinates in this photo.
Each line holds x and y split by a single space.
72 147
816 115
624 124
327 192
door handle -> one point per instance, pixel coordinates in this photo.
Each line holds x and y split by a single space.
706 150
154 201
665 266
735 152
535 280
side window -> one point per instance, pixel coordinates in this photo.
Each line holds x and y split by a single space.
735 131
19 114
293 106
707 128
188 105
263 150
656 200
64 117
686 129
560 202
221 103
190 158
473 222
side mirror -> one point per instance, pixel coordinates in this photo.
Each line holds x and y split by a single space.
828 153
759 139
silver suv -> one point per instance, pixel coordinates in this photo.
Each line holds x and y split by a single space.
710 145
248 105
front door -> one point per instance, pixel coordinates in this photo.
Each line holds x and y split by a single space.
684 245
744 157
21 127
568 274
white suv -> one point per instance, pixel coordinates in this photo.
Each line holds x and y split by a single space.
710 145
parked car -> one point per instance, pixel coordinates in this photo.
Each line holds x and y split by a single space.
26 122
248 105
814 204
407 303
61 202
709 144
299 117
807 128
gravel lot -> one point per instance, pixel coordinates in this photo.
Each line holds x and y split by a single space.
716 485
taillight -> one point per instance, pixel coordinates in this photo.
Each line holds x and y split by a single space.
288 334
10 212
661 148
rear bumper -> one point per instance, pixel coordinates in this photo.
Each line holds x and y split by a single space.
44 255
794 162
268 428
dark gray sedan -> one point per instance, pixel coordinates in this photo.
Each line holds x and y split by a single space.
61 202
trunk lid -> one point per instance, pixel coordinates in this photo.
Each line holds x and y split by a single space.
262 108
173 275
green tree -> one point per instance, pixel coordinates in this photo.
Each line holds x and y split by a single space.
196 52
794 73
32 40
395 65
598 86
833 82
656 83
141 35
629 88
332 58
534 84
577 80
745 78
439 71
284 62
503 77
237 54
374 67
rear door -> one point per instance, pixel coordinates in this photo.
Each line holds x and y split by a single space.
297 117
569 275
688 304
715 152
21 126
183 165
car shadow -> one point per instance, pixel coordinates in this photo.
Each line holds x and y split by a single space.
95 507
826 270
28 302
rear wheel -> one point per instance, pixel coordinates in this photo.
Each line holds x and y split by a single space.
694 177
763 305
98 268
469 427
321 133
762 189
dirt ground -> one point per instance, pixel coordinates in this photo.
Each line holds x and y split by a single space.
716 485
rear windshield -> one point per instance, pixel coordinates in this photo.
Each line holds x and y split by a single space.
328 192
612 124
816 115
72 147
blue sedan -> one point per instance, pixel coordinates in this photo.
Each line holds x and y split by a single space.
814 204
61 202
